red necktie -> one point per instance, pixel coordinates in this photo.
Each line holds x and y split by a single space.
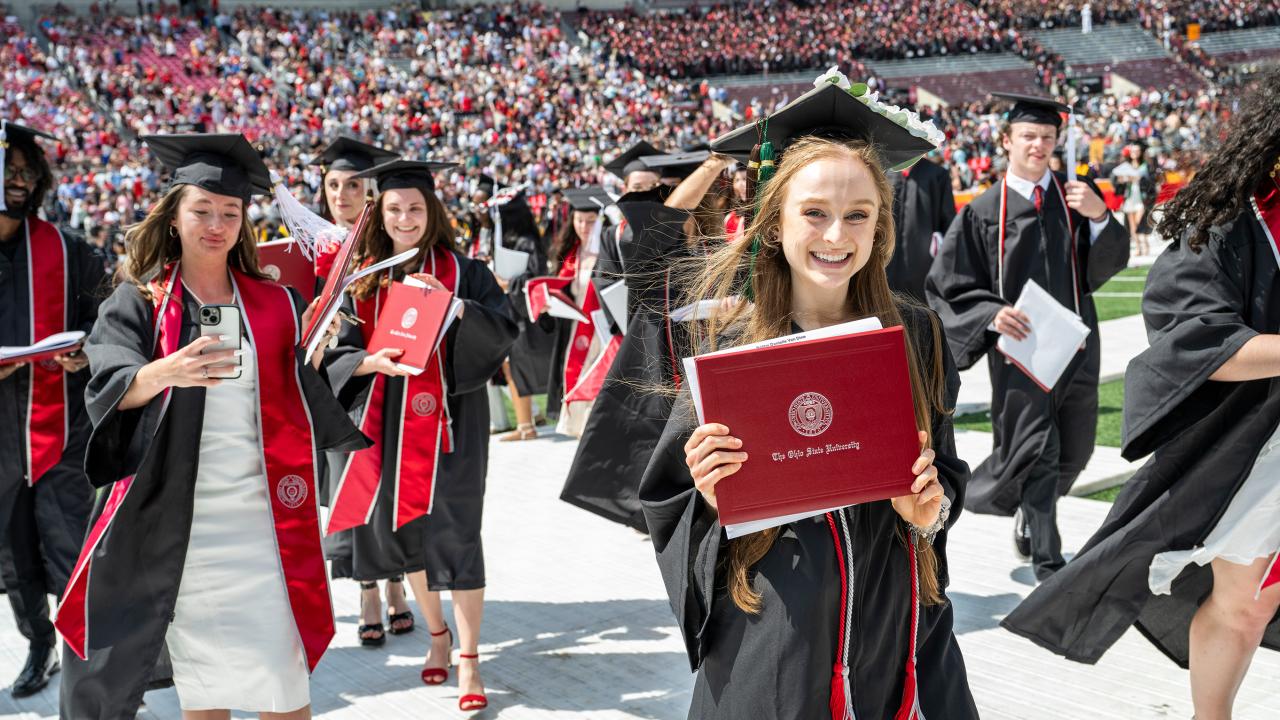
1038 197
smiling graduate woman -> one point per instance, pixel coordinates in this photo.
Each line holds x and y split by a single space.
827 614
207 540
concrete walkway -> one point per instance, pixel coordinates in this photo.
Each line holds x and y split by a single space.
577 625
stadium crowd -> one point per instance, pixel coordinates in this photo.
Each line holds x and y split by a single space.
516 91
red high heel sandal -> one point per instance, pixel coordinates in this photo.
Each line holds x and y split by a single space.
438 676
473 702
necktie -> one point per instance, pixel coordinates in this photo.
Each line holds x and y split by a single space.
1038 196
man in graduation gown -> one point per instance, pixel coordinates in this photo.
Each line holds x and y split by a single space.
49 283
1032 226
923 208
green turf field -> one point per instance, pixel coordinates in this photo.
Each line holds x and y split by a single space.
1122 295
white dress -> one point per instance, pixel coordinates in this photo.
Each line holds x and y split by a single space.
1247 530
233 640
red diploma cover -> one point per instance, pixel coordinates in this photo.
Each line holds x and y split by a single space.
284 263
414 319
825 423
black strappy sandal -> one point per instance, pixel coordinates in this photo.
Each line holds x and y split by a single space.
392 619
377 640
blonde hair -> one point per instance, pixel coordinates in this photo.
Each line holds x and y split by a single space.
151 245
769 316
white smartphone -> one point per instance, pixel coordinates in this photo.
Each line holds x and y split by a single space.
222 320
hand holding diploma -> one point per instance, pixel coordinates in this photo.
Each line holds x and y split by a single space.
382 361
712 454
1082 199
329 333
922 507
72 361
1012 322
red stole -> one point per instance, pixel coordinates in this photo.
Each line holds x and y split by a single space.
46 431
583 331
288 454
424 417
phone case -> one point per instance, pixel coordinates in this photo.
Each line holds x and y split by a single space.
222 320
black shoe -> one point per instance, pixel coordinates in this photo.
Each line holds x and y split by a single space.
1021 536
42 664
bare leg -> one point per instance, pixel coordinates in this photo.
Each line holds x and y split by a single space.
302 713
1225 633
1133 219
523 405
438 655
206 715
468 612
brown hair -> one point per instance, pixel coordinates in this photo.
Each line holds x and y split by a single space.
151 244
374 244
770 316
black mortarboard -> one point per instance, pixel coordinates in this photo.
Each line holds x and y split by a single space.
399 174
14 131
223 163
676 165
829 112
1033 109
591 198
629 161
347 153
484 184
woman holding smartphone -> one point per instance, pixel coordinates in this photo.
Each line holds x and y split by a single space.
843 614
430 430
207 541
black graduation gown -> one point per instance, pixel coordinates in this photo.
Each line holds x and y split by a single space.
961 287
48 521
446 542
137 567
922 205
1199 309
630 412
778 664
531 354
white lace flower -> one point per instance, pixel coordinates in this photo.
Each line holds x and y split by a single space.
834 77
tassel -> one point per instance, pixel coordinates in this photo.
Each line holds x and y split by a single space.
909 708
767 165
841 696
313 234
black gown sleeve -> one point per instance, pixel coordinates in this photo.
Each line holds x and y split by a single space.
961 289
1193 307
944 207
685 531
340 363
931 351
120 344
478 342
90 283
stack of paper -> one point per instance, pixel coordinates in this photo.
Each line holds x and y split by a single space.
56 344
1057 334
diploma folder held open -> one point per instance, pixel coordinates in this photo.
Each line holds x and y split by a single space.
56 344
826 423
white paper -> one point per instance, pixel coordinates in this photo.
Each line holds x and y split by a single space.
332 312
746 528
560 309
56 341
601 324
614 297
507 264
1070 150
1055 337
850 328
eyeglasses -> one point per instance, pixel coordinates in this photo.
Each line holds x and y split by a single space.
25 174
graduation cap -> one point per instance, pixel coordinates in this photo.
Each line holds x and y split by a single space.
346 153
591 198
400 174
629 161
484 184
675 165
829 111
1034 109
223 163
